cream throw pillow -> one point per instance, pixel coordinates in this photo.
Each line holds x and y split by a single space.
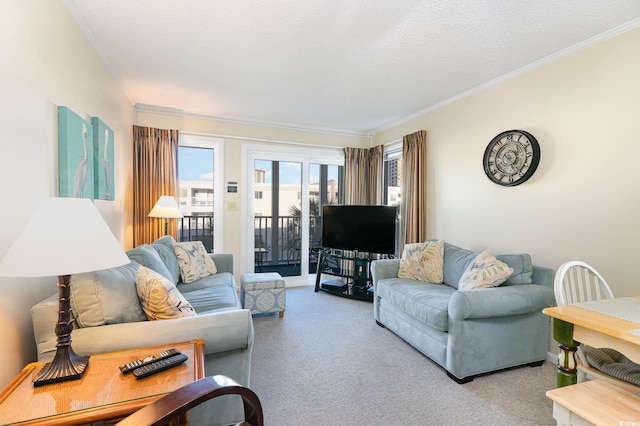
423 262
485 271
159 297
194 261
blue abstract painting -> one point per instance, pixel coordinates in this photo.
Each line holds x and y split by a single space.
75 155
103 156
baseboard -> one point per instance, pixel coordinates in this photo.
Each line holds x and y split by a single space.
551 357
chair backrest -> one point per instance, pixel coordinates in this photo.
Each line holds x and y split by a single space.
577 282
178 402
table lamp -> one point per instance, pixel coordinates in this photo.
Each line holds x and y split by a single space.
64 236
167 208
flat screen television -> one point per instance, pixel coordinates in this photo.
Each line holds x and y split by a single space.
361 228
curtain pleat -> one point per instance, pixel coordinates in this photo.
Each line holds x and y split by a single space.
375 176
355 172
363 175
413 217
154 174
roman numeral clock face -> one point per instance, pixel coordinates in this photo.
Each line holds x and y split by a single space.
511 157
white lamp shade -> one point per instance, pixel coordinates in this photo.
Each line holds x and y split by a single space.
166 207
64 236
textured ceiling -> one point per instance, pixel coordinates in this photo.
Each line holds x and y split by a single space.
340 65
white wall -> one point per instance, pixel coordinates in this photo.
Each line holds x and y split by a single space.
583 202
46 62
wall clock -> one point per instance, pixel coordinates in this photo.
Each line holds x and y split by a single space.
511 157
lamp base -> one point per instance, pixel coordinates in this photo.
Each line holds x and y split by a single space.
66 365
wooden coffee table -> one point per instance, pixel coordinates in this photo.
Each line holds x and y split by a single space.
102 394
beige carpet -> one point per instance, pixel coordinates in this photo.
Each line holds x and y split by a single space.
328 363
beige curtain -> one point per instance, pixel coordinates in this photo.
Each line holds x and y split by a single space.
155 153
413 216
375 175
363 175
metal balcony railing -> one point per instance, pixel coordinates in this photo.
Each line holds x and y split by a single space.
279 242
276 243
197 228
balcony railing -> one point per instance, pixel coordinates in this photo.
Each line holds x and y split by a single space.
197 228
276 244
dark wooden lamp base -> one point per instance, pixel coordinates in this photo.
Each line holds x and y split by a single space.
66 365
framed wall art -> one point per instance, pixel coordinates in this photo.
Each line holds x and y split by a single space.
75 155
103 157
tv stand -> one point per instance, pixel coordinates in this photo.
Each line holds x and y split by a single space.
353 270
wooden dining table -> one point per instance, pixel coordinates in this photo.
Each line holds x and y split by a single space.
608 323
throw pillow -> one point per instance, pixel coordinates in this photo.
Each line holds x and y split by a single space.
147 256
106 297
423 262
485 271
159 297
194 261
164 247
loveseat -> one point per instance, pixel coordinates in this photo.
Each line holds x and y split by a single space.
468 331
109 317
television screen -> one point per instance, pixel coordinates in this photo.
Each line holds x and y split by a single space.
362 228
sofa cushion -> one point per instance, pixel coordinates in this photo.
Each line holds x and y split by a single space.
164 247
194 261
426 302
423 262
521 265
213 292
456 261
159 297
106 297
484 272
147 256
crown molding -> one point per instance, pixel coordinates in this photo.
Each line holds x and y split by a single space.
633 24
271 124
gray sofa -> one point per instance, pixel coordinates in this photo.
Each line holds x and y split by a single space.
109 318
468 332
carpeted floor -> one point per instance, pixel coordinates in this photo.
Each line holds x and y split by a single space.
328 363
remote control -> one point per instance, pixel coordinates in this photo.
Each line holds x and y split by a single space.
128 368
158 366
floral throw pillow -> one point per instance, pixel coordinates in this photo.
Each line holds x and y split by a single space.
423 262
194 261
159 297
485 271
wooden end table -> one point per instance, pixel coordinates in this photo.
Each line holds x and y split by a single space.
102 394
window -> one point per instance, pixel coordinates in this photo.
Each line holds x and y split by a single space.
200 190
258 195
393 175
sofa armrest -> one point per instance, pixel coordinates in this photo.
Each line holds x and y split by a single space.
222 331
384 268
223 261
499 301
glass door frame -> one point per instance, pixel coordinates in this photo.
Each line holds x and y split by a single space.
293 153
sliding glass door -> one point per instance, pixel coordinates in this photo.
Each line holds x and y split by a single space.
285 199
277 216
326 183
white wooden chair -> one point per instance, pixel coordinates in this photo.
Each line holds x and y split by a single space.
577 282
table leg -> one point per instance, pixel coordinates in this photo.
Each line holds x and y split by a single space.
567 371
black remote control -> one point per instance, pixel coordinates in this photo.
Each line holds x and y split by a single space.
128 368
158 366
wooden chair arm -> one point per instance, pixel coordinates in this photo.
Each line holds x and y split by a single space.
178 402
